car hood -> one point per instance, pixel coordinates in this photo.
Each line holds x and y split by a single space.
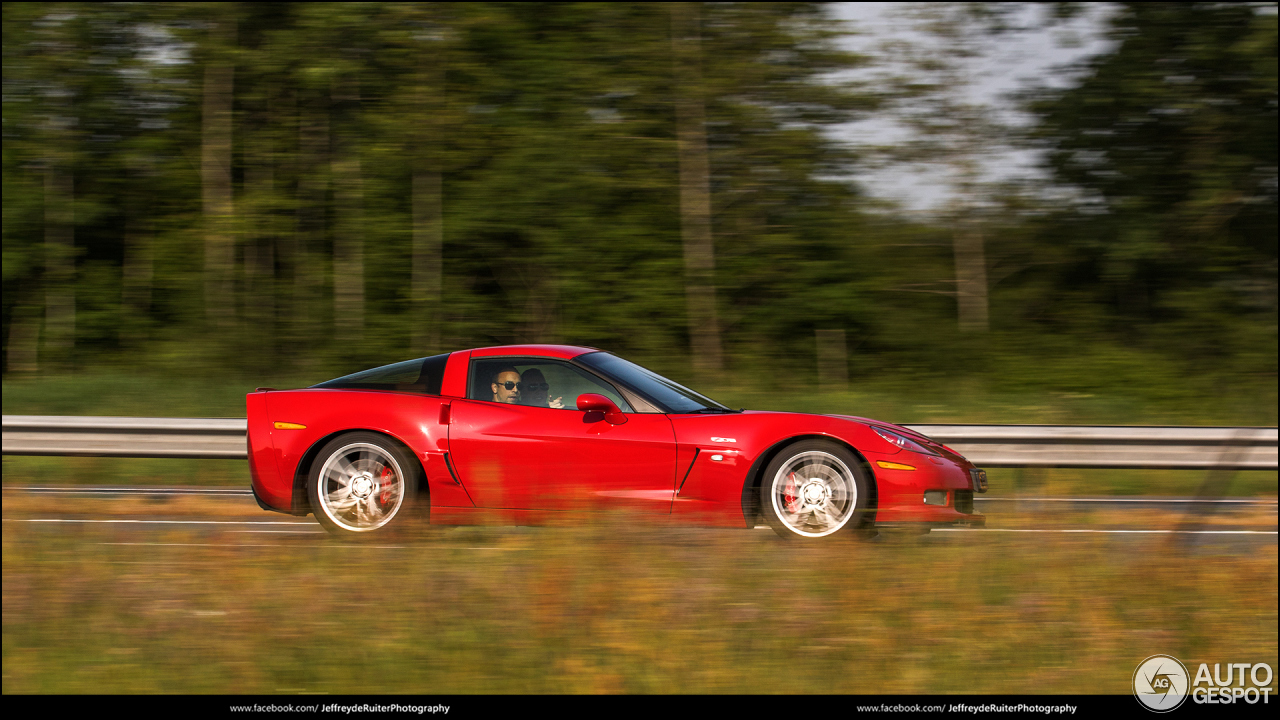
896 428
914 435
865 421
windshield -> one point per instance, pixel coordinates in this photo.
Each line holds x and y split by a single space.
676 397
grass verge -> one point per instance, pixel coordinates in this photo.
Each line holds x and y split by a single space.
618 608
1044 482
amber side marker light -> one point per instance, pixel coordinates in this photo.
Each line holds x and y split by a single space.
290 426
894 466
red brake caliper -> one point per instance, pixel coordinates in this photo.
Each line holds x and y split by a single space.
789 493
388 481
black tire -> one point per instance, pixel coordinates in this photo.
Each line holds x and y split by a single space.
363 484
816 489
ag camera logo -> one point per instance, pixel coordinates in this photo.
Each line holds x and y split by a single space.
1160 683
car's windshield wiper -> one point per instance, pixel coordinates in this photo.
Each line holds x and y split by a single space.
712 410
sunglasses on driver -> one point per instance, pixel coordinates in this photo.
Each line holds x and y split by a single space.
523 386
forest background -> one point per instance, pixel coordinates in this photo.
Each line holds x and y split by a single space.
203 198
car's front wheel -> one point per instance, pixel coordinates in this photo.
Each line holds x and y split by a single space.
814 489
361 482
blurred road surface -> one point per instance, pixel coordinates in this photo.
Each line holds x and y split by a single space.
230 516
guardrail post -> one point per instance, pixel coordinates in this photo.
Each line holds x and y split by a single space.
1215 485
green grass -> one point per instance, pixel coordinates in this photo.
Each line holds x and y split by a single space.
976 402
143 472
127 395
901 398
621 609
1085 482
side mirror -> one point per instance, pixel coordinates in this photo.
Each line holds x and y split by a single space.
598 407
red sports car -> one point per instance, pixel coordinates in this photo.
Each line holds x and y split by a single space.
525 433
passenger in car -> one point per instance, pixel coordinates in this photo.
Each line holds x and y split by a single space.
506 385
535 390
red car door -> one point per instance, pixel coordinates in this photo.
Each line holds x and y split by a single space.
538 458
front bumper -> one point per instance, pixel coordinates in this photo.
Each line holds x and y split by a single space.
929 490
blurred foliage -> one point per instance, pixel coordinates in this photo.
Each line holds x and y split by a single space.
1171 141
537 144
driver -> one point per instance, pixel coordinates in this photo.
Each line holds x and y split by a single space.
506 385
535 389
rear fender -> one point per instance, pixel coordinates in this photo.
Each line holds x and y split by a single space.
306 420
269 488
302 502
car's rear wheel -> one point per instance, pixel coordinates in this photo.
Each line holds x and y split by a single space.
361 483
815 489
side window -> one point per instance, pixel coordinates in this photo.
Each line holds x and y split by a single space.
536 382
423 375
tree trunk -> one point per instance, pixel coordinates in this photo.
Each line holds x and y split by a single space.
428 223
971 278
23 349
137 274
695 191
968 243
428 232
348 232
215 177
259 213
313 188
60 268
541 309
833 359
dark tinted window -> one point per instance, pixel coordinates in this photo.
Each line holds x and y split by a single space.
424 375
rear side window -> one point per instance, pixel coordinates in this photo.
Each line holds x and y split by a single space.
424 375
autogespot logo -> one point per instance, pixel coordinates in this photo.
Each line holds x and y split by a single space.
1160 683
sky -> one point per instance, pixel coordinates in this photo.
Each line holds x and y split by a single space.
1004 65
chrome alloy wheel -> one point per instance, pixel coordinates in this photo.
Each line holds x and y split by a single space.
361 487
814 494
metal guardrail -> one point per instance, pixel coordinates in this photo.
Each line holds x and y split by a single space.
126 436
1226 448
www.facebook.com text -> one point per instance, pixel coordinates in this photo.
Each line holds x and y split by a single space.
346 709
975 709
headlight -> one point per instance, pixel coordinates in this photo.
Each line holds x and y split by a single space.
902 441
